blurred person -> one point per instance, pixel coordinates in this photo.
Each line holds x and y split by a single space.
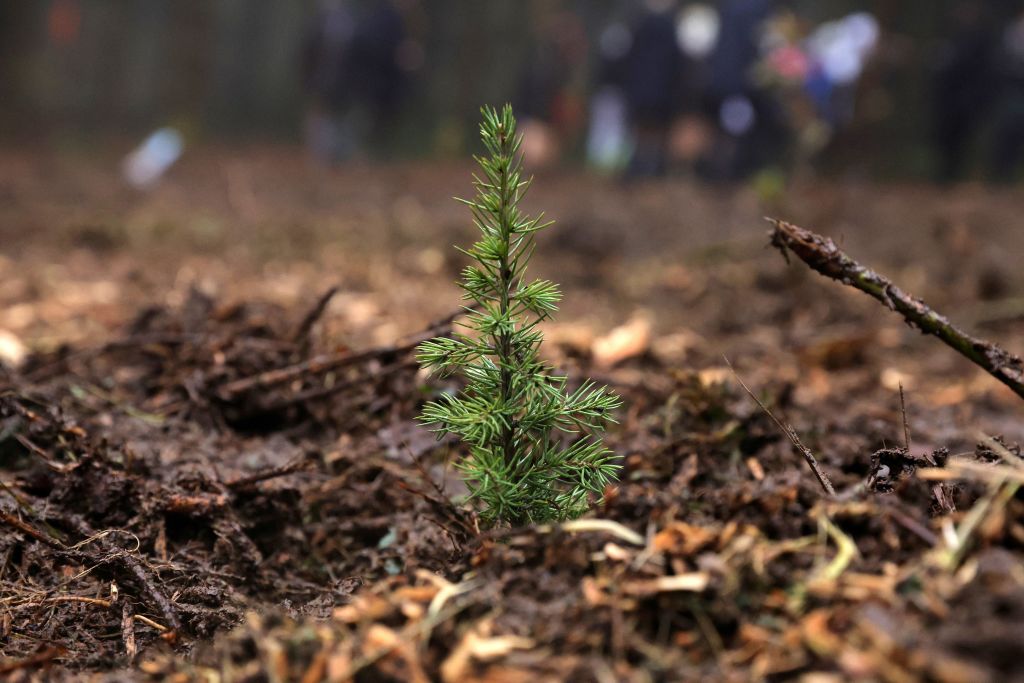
838 53
752 131
608 140
697 30
1008 141
380 75
328 80
651 83
813 75
547 101
353 69
963 86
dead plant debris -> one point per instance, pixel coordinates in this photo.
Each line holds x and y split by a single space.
222 492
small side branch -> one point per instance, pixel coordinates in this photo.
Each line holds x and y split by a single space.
822 255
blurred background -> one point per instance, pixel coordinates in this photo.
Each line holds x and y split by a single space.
194 192
153 151
930 89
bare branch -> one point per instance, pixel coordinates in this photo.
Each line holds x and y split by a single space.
822 255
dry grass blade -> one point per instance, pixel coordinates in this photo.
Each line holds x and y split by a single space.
690 582
959 539
599 525
791 434
845 547
970 469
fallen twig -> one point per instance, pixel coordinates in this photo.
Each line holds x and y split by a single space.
970 470
906 426
314 314
330 361
793 437
99 602
1001 450
149 622
30 530
133 567
291 467
574 526
131 648
690 582
81 598
318 393
125 561
314 366
822 255
963 468
43 657
198 505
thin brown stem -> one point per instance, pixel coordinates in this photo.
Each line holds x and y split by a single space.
504 340
791 434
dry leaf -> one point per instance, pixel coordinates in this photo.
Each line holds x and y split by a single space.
478 645
380 638
710 377
680 538
577 337
626 341
672 349
756 470
12 350
817 635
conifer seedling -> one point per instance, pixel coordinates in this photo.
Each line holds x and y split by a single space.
535 454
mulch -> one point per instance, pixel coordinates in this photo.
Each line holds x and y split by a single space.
212 495
231 486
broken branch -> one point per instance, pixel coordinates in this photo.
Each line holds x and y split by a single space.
323 363
822 255
314 314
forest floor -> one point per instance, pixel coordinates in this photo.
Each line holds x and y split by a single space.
210 469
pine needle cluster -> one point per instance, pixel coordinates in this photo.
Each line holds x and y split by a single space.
534 451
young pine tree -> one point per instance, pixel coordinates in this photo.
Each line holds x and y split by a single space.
533 451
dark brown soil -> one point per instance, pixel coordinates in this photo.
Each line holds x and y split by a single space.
211 471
